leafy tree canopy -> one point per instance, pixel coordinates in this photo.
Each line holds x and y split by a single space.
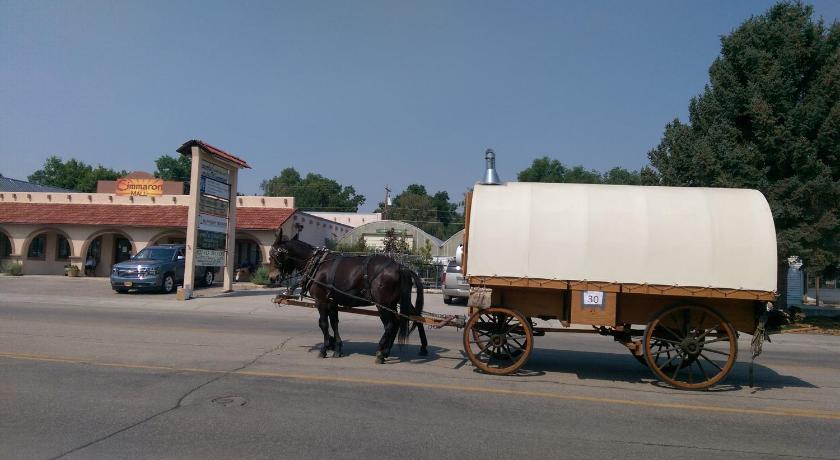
72 174
434 214
174 168
769 119
546 169
313 192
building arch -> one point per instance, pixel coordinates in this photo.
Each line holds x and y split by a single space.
166 234
102 267
24 253
7 244
256 253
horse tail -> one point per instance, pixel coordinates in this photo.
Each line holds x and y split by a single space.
406 278
418 283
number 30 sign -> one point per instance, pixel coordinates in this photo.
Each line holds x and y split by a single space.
593 298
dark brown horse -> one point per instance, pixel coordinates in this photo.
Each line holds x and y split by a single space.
335 280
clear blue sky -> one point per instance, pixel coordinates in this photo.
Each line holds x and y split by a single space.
366 92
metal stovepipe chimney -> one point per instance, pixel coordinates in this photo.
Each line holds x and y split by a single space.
491 177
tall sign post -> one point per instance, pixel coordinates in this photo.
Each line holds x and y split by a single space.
211 221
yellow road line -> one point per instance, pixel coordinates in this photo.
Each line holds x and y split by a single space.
778 411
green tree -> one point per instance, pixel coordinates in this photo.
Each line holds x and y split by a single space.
435 214
390 242
72 174
546 169
174 168
313 192
769 119
543 169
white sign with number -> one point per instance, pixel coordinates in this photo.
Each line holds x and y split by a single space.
595 298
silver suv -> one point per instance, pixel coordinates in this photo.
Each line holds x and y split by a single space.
454 283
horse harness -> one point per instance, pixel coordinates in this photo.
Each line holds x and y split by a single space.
313 264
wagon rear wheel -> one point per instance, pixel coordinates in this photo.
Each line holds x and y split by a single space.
690 347
498 340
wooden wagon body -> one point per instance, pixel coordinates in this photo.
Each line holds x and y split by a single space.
691 265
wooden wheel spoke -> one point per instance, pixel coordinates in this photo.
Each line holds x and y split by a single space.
719 339
700 365
710 350
678 368
660 339
667 329
711 362
668 350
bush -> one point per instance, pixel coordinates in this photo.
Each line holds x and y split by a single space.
260 276
15 269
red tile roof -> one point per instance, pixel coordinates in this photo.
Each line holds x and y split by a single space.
130 215
185 150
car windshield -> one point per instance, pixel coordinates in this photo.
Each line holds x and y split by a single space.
155 254
453 268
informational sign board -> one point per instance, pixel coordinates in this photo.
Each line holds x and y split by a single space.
212 223
211 220
214 172
139 187
209 258
214 188
216 207
211 240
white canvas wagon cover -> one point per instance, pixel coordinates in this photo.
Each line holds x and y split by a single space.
674 236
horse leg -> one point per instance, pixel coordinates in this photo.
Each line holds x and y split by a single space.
334 323
392 333
323 323
387 337
423 342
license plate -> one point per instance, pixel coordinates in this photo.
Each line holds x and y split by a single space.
128 284
462 280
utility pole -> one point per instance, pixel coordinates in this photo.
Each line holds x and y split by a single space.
385 203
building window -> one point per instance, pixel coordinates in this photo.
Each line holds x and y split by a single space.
5 246
37 247
62 249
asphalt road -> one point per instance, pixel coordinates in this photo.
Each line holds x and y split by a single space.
86 373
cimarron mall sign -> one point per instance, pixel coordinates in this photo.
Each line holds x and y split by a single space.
139 187
140 183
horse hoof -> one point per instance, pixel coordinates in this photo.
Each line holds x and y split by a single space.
337 354
380 360
424 352
322 354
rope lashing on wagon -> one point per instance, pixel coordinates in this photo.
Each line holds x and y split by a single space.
757 342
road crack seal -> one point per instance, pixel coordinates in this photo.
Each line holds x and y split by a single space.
179 404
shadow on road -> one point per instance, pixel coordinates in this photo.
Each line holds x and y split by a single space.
409 352
612 367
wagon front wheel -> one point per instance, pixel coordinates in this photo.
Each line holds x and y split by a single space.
690 347
498 340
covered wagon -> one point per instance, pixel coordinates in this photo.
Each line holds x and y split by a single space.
671 273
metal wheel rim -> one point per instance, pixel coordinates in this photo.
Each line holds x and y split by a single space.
208 278
168 283
684 347
498 340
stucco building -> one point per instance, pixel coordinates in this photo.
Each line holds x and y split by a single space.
47 231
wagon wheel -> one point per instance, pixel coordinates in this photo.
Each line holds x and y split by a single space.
659 334
498 340
690 346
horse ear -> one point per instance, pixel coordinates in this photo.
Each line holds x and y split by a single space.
296 236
